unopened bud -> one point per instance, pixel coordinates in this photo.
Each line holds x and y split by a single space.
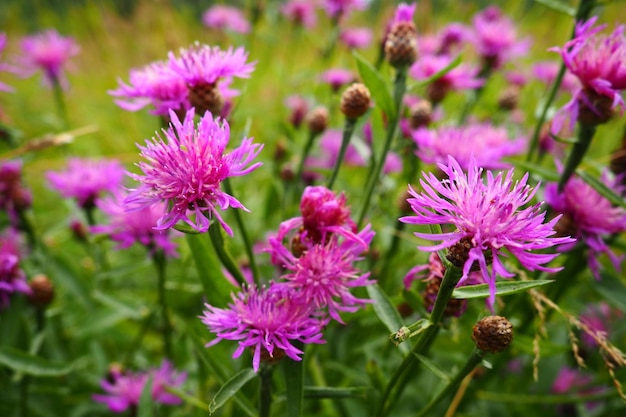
421 114
42 291
492 334
509 98
355 101
401 44
317 120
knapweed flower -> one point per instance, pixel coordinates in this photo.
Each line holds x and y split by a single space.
599 62
127 227
589 216
124 389
337 78
186 169
486 143
14 197
462 77
338 9
299 107
487 218
300 12
12 277
400 43
225 18
86 179
266 320
495 38
49 52
356 38
206 69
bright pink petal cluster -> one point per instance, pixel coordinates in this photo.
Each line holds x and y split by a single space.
48 51
224 17
186 169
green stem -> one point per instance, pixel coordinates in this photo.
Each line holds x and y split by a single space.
348 129
160 263
474 359
294 380
305 153
265 393
215 233
585 135
392 127
244 236
59 100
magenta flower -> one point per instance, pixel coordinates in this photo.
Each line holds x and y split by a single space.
300 12
225 18
356 38
124 389
599 62
86 179
337 78
569 379
547 71
14 197
186 169
487 218
452 36
337 9
136 226
299 108
12 277
155 84
48 51
598 318
267 321
486 143
589 216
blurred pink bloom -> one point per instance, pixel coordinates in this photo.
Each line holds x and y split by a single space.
599 318
14 197
337 9
299 108
451 37
547 71
12 277
404 13
356 38
330 144
301 12
337 77
225 18
86 179
48 51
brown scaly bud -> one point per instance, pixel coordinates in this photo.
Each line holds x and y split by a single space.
509 98
205 96
455 307
458 254
401 44
492 334
355 101
594 109
280 151
421 114
42 291
317 120
437 91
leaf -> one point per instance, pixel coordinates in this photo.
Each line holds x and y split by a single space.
386 312
118 305
216 288
294 380
612 289
333 392
144 408
601 188
433 368
558 7
23 362
455 63
230 388
376 84
538 171
502 288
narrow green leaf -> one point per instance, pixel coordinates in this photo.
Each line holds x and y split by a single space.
23 362
612 289
502 288
433 368
332 392
118 305
376 84
455 63
185 228
538 171
386 312
601 188
230 388
216 288
558 6
144 408
294 380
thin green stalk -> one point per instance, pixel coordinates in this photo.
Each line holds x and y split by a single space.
265 390
305 153
166 332
585 135
244 236
392 127
59 100
348 129
215 233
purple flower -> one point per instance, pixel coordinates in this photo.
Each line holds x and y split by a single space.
186 171
569 379
356 38
598 318
124 389
599 62
337 78
48 51
12 278
86 179
452 36
299 108
301 12
547 71
337 9
225 18
127 227
155 84
404 13
486 143
267 321
487 218
14 197
589 216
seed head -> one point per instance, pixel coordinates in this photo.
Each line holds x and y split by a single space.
401 44
492 334
355 101
317 120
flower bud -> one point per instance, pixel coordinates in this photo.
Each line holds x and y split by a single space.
205 97
492 334
317 120
355 101
509 98
421 114
42 291
401 44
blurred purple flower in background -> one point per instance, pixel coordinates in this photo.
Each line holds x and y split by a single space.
338 9
337 78
14 197
48 51
223 17
547 71
600 318
300 12
356 38
12 277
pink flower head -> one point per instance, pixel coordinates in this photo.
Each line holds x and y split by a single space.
485 143
337 9
404 13
225 18
299 108
451 37
301 12
136 226
547 71
323 212
124 389
589 216
266 320
186 169
14 197
12 278
86 179
495 38
599 62
49 52
4 66
155 84
337 78
356 38
487 217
